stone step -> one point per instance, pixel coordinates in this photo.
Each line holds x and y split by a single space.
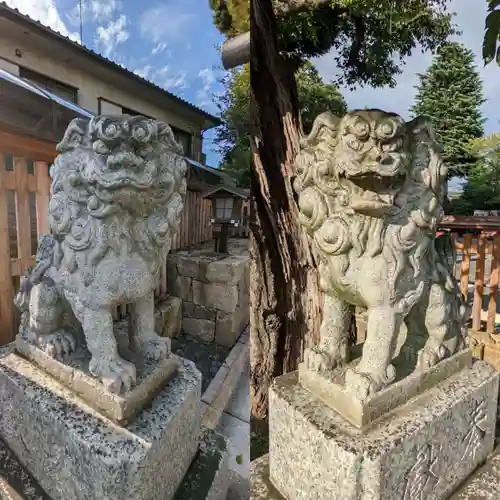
208 476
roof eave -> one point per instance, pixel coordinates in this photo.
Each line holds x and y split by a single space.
15 16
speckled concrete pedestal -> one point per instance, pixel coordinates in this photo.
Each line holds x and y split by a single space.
77 454
207 478
422 450
484 484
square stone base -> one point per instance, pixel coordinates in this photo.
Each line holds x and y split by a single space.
74 374
422 450
75 453
329 387
208 477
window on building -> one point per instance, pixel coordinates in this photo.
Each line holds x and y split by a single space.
60 89
223 208
184 139
131 112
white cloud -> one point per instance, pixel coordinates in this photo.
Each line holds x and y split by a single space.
44 11
176 82
144 72
164 77
172 22
470 18
113 34
205 95
159 48
93 10
103 10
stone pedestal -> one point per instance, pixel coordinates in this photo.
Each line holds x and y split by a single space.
423 449
75 453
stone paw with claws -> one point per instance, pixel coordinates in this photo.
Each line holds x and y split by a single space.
320 360
364 385
116 374
428 357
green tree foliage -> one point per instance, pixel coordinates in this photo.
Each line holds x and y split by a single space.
366 35
233 137
491 42
231 16
450 93
482 191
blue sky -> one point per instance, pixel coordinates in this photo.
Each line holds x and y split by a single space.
174 43
170 42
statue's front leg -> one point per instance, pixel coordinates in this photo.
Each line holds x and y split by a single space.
116 374
143 338
375 370
332 350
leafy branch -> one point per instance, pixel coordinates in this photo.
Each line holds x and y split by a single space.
491 41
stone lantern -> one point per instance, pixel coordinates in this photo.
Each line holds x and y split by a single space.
227 212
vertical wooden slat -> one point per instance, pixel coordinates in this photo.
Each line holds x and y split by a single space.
199 201
203 221
465 268
6 291
206 220
477 304
494 278
190 222
192 219
207 215
42 197
23 213
194 225
210 227
192 237
185 221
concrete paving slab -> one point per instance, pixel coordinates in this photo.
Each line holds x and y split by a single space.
239 403
238 434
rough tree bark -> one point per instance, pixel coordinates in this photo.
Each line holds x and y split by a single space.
286 304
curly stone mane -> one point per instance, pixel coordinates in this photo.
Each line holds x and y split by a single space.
342 214
370 191
109 166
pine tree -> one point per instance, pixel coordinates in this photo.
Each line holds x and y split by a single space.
450 93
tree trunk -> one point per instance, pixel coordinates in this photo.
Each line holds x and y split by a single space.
286 304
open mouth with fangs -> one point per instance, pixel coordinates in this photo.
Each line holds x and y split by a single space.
374 194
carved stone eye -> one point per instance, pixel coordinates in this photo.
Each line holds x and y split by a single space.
355 144
360 128
139 133
387 130
100 147
111 130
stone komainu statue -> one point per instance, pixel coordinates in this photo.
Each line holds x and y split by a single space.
118 187
371 188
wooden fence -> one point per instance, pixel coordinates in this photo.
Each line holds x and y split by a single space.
24 199
477 241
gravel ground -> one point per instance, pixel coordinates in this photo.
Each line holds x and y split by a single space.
207 357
